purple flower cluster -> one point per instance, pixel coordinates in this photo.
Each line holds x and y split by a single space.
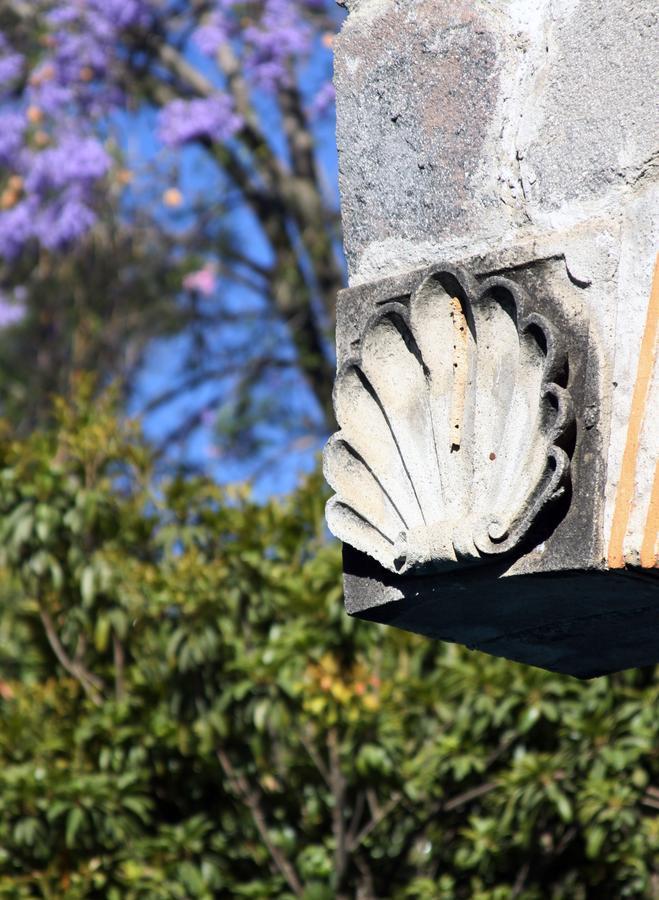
220 26
72 160
13 126
203 281
323 101
188 120
50 164
84 35
11 64
280 37
276 36
12 309
50 193
119 15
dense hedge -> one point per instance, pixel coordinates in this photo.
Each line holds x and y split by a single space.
186 711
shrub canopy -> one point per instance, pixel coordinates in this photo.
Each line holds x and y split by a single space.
186 711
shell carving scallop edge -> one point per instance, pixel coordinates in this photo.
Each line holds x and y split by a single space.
455 423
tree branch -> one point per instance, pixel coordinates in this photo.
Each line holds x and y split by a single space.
355 820
300 191
454 803
251 799
366 890
316 758
466 797
119 666
520 881
338 785
311 210
91 684
380 816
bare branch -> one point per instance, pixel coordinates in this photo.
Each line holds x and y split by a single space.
467 797
297 132
366 890
338 786
257 366
176 63
373 803
307 743
251 799
355 820
454 803
384 811
119 666
91 684
520 881
252 133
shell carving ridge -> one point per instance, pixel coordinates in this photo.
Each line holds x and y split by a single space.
456 426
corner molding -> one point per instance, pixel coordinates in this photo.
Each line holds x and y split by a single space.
456 426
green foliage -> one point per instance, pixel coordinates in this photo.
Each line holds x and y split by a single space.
186 711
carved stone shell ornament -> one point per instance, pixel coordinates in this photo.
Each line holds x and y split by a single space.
456 425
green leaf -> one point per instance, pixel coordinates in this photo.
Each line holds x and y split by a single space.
102 632
595 837
87 585
74 822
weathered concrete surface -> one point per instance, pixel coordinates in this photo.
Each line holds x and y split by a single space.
520 139
461 124
413 79
523 129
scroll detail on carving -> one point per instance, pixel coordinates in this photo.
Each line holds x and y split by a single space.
454 420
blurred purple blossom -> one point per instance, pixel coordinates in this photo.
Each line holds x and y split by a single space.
12 132
202 281
11 63
218 27
16 228
103 16
323 101
208 417
64 221
11 310
281 35
77 53
50 96
59 185
72 87
123 14
210 37
74 160
69 88
182 121
85 37
276 36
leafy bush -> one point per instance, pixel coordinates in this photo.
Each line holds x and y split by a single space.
186 711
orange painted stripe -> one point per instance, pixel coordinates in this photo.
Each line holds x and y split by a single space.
625 492
648 548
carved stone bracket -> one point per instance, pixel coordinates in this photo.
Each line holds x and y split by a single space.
457 426
495 474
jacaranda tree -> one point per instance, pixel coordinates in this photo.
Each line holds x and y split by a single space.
162 172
